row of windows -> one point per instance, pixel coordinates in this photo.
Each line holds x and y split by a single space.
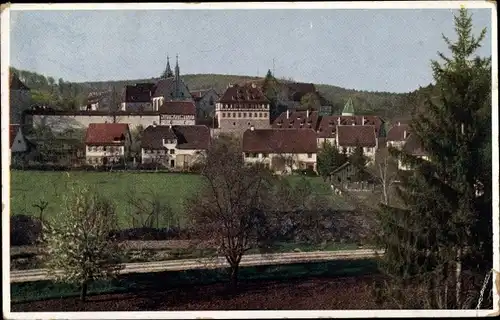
245 114
160 152
246 106
265 155
103 148
103 160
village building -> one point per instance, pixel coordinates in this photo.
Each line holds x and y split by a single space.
170 88
297 120
412 146
281 150
137 97
351 178
241 107
20 99
397 135
205 102
175 147
348 137
177 113
107 143
20 147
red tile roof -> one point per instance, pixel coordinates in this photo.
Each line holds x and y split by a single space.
327 127
297 120
106 133
280 141
397 133
178 108
188 137
243 94
352 136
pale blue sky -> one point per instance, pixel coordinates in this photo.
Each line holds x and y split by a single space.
378 50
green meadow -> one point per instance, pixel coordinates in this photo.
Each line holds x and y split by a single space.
31 187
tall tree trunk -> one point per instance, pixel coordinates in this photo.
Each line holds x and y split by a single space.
458 277
83 292
234 276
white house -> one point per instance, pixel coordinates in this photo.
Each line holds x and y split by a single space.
176 147
282 150
397 135
107 143
177 113
352 136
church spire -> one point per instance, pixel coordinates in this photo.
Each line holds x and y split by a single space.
177 78
168 70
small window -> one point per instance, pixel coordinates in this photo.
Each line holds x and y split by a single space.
264 155
223 114
234 123
104 148
255 115
309 155
172 151
247 155
244 115
239 114
234 115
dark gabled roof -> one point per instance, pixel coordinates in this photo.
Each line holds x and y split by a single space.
178 108
353 136
243 94
413 146
140 92
297 120
106 133
16 83
280 141
188 137
152 136
13 130
192 137
397 132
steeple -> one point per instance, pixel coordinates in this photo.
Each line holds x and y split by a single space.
348 108
177 78
168 70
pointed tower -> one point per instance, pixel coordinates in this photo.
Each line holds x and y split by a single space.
348 108
168 70
177 78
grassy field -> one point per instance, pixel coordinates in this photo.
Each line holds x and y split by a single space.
29 187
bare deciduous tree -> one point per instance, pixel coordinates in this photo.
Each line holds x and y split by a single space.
230 209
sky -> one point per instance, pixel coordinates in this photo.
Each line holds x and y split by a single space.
376 50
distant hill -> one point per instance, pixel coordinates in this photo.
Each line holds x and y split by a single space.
384 104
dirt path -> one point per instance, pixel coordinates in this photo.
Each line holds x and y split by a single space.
303 294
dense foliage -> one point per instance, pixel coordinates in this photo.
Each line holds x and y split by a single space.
438 245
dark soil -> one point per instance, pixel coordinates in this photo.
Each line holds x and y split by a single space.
303 294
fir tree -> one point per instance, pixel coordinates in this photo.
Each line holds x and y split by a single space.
329 158
442 236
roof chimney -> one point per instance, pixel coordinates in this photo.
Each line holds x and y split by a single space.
404 134
287 114
307 113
